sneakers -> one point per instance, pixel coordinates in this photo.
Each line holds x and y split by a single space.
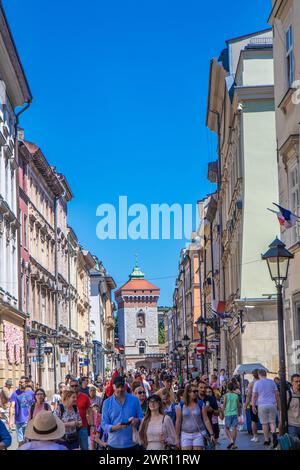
254 439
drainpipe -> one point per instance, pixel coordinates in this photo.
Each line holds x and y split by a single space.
19 234
57 320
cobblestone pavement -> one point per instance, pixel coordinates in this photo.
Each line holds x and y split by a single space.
243 442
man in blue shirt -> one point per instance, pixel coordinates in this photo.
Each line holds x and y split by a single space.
121 414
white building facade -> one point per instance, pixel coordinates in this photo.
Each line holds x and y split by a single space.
14 93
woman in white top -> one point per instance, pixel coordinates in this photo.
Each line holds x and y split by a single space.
157 431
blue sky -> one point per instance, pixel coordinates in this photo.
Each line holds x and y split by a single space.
120 89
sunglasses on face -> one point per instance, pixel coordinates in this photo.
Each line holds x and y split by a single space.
74 386
141 393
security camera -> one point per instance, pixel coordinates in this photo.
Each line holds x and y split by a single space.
240 108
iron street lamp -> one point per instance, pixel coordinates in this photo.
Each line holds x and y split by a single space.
278 260
201 327
186 343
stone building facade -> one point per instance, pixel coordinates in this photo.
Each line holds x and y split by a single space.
101 324
138 321
14 93
284 19
241 112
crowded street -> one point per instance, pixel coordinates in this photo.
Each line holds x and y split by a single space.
147 410
149 232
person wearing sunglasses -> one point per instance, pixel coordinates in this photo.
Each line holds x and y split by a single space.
192 422
140 393
39 403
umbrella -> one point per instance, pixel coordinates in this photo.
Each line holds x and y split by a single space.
248 368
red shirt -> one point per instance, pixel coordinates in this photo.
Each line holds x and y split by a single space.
83 404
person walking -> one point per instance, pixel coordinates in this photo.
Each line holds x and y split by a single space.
293 406
266 399
231 409
57 397
249 405
121 415
43 432
68 413
157 430
85 410
21 401
140 393
94 398
167 384
192 421
39 404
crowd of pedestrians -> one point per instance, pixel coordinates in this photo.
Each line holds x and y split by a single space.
150 410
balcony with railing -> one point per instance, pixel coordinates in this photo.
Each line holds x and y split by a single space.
263 42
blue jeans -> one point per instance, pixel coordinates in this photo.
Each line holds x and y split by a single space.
20 430
83 439
294 431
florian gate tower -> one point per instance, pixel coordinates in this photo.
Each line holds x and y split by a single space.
138 321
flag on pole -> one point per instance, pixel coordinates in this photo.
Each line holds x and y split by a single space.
285 217
218 309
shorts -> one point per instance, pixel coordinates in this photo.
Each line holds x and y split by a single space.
20 430
267 414
195 439
231 422
254 417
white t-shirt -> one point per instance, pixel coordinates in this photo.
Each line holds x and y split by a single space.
266 392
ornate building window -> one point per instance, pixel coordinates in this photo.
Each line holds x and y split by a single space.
141 319
142 347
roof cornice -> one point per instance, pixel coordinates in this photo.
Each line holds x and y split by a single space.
12 69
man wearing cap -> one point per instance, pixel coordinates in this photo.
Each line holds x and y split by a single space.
43 431
121 414
168 384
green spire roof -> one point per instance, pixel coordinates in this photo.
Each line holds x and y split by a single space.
136 273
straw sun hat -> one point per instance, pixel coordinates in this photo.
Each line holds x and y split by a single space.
45 427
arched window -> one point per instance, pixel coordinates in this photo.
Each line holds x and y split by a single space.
142 347
141 319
